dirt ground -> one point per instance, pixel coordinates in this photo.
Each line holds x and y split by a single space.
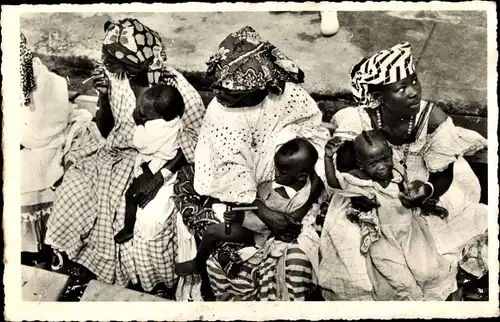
452 67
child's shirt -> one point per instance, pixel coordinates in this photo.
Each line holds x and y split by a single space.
157 142
275 201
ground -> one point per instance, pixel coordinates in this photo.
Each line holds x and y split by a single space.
452 67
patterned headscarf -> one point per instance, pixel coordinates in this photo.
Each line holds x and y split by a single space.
246 62
136 46
385 67
27 76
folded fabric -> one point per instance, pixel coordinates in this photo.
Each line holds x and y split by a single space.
157 142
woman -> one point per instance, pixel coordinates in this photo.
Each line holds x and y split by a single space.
90 203
49 123
258 107
431 149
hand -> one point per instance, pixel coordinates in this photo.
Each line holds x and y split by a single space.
331 146
146 186
230 216
415 194
284 227
101 81
364 204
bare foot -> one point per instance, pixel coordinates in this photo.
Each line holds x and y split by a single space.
123 236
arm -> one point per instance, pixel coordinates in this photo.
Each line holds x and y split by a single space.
331 178
104 117
441 181
332 146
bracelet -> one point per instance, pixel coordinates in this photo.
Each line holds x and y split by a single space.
432 190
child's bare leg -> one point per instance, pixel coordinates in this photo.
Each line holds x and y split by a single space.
127 232
213 235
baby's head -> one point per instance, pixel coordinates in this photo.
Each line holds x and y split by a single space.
373 154
158 102
294 162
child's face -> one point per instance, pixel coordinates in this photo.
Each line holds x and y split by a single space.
141 115
376 161
287 172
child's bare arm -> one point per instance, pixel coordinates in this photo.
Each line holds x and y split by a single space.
330 148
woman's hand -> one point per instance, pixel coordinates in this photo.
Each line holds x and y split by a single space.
364 204
101 81
415 194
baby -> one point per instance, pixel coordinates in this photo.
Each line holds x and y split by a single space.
156 137
294 170
400 248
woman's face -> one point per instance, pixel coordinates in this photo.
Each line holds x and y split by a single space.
402 97
113 65
243 99
227 98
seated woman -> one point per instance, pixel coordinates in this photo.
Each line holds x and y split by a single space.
401 254
295 178
257 108
430 147
90 202
49 123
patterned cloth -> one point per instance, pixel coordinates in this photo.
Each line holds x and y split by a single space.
246 62
136 46
90 203
27 76
229 167
385 67
343 270
139 48
253 282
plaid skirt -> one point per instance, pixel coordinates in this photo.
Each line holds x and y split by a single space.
252 282
89 210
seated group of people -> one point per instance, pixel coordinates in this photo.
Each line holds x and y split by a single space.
161 190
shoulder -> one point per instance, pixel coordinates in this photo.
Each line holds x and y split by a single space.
294 91
436 118
358 173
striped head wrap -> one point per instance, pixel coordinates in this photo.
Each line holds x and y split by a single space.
385 67
27 75
246 62
136 46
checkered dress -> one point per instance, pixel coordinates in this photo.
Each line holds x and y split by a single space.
89 206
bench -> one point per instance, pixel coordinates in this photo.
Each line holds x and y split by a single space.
40 285
103 292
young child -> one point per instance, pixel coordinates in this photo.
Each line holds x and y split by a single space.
294 179
400 249
158 126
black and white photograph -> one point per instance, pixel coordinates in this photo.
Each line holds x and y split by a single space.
199 156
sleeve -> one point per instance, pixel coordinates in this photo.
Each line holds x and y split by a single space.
221 169
193 113
448 143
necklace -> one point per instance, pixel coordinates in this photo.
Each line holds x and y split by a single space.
253 142
406 145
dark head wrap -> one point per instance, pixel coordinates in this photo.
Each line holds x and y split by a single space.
27 76
246 62
136 46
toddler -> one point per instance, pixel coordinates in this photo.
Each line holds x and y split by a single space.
400 249
158 126
294 172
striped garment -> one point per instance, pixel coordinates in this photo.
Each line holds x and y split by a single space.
260 283
385 67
